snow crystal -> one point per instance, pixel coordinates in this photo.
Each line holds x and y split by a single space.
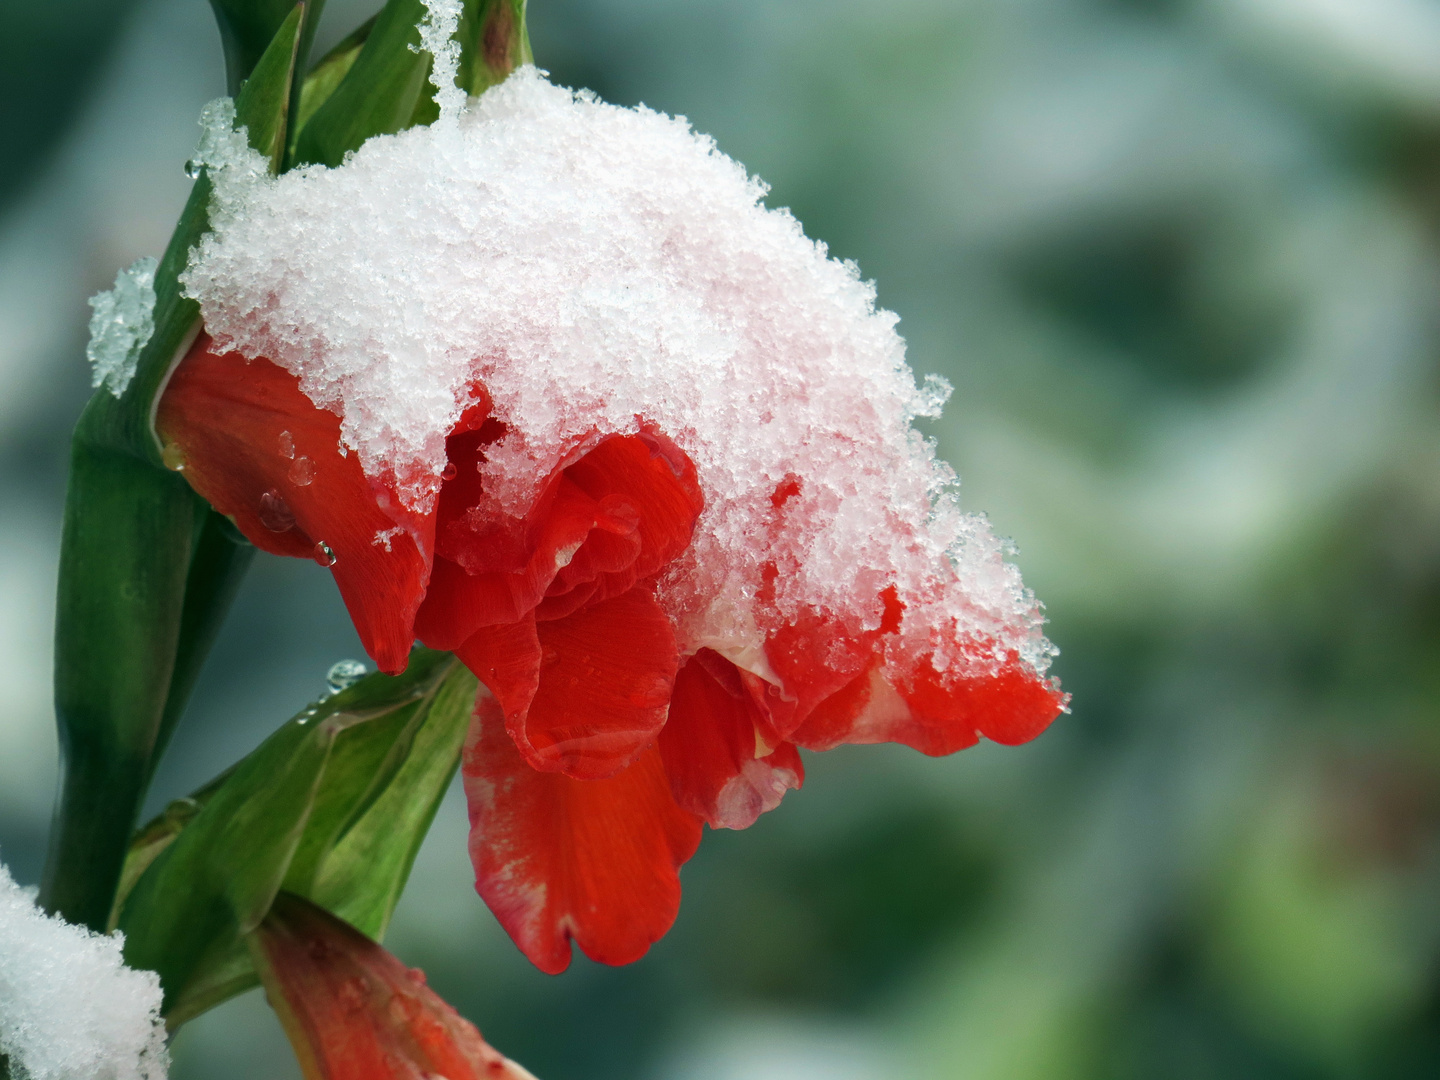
596 268
69 1007
122 322
437 37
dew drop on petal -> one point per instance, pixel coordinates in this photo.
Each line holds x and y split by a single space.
173 457
302 472
651 692
448 473
325 554
352 994
287 445
275 513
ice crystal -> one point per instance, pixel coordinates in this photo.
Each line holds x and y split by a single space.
121 324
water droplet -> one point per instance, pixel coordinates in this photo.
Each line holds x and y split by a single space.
402 1012
287 445
275 513
302 472
173 457
352 994
650 692
344 674
193 168
448 473
324 554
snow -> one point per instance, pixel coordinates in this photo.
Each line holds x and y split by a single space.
437 37
596 268
69 1007
122 322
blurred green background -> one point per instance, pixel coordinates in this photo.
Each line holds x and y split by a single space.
1180 259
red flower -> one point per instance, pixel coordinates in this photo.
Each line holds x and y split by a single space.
600 749
354 1012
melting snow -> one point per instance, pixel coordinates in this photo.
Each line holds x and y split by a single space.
69 1007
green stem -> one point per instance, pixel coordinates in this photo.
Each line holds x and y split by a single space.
128 545
147 570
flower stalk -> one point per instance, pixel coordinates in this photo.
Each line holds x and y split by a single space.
147 569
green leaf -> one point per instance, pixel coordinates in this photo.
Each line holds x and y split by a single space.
147 570
363 874
379 93
124 561
333 807
247 27
262 107
326 75
386 87
493 42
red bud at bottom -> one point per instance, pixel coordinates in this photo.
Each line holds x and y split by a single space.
354 1012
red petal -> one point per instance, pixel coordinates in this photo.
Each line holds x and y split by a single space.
507 573
354 1012
457 604
814 656
936 713
1011 706
507 660
645 486
835 720
557 859
617 515
258 450
712 745
604 679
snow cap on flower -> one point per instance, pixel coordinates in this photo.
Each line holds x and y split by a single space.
598 269
547 385
69 1007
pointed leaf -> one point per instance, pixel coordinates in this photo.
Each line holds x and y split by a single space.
333 806
248 26
493 42
386 89
363 874
262 108
379 93
328 73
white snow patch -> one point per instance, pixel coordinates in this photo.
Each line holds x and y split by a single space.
69 1007
595 268
122 321
437 37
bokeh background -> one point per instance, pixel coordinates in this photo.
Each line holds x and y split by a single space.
1180 260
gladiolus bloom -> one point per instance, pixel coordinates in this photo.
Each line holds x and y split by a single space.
354 1012
648 470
